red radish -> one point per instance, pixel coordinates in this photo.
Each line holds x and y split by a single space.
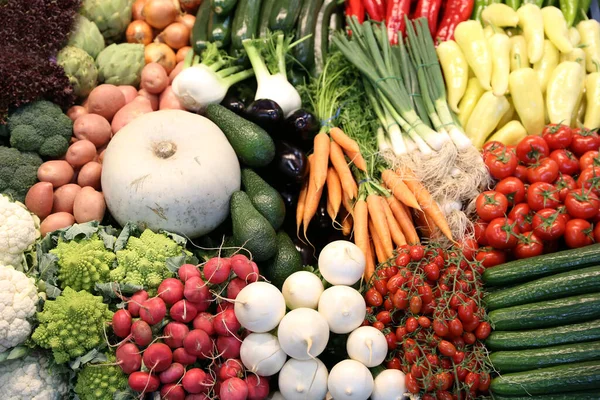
204 321
129 358
171 290
217 269
183 311
196 290
241 266
197 396
231 368
135 302
141 333
143 382
225 305
158 357
121 323
153 310
253 277
187 271
229 346
197 343
181 356
175 332
194 381
172 391
225 323
258 387
203 305
234 287
172 374
233 389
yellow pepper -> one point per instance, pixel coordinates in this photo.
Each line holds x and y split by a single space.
488 31
590 42
579 115
528 99
556 29
471 39
469 101
574 36
578 55
509 115
485 117
510 134
499 14
532 24
592 93
546 65
500 43
456 71
518 53
564 89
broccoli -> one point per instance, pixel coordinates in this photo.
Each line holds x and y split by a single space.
100 381
18 172
40 127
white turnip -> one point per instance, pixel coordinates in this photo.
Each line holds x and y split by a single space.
174 333
389 385
302 289
342 263
170 290
343 308
259 307
300 380
367 345
350 380
183 311
303 333
197 343
262 354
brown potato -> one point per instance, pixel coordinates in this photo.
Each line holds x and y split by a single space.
130 92
131 111
64 197
93 127
80 153
154 78
90 174
89 205
178 68
168 100
39 199
56 221
105 100
76 112
152 97
57 172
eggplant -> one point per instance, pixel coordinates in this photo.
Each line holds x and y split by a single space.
290 193
290 162
266 113
305 126
234 104
306 250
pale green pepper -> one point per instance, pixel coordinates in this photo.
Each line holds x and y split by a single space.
532 24
485 117
590 42
469 100
546 65
555 27
528 99
500 43
470 37
456 71
592 92
564 90
518 53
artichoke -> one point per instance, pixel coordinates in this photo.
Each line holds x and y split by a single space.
87 36
80 69
111 16
121 64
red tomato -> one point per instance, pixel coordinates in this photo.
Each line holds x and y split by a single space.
589 159
513 188
384 317
483 330
411 383
479 231
465 312
459 356
581 203
584 140
542 195
557 136
493 146
416 252
469 337
579 233
415 304
373 297
432 271
590 179
380 285
472 380
502 233
529 246
443 380
564 184
400 300
548 225
455 327
440 327
484 381
546 170
416 370
597 233
391 341
490 205
402 260
424 322
401 332
378 325
522 215
501 164
521 173
468 247
446 348
531 149
394 363
566 161
489 257
425 293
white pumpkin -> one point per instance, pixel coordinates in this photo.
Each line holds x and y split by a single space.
170 170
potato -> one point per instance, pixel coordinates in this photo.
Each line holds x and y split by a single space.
39 199
106 100
154 78
76 112
56 221
152 97
131 111
178 68
57 172
168 100
93 127
101 154
64 197
89 205
90 174
81 153
130 92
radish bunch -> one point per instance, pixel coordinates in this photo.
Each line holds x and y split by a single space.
185 342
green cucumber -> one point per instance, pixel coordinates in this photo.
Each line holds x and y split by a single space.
563 378
304 51
223 7
199 35
536 338
547 313
524 360
265 14
245 22
536 267
587 395
284 15
322 33
580 281
219 29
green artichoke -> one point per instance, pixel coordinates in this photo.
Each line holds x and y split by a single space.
87 36
121 64
111 16
80 68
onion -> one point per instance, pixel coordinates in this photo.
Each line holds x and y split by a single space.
176 35
137 8
160 13
188 20
162 54
139 31
190 6
182 52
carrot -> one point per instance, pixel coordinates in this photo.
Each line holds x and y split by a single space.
313 196
343 140
300 206
395 230
379 250
341 167
370 258
377 215
347 225
320 160
361 225
399 189
347 203
407 212
424 224
357 159
334 192
404 220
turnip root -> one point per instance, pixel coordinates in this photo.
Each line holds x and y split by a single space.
301 380
342 263
262 354
231 368
367 345
153 310
303 333
217 270
225 323
234 287
172 391
343 307
141 333
204 321
350 380
197 343
259 307
229 346
194 381
302 289
187 271
389 385
135 302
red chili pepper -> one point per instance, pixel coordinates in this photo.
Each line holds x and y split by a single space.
355 8
456 12
429 9
375 9
396 11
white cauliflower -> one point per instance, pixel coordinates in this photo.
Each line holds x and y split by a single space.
18 231
30 378
18 299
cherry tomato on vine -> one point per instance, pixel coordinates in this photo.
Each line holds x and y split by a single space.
521 213
597 233
564 184
483 330
548 224
590 179
513 188
529 245
566 161
584 140
455 327
424 322
542 195
502 233
378 325
557 136
589 159
394 363
521 173
491 204
440 327
468 247
579 233
469 337
446 348
402 259
415 304
373 297
531 149
416 252
390 338
489 257
484 381
384 317
582 203
501 164
432 271
472 380
545 170
443 380
411 383
400 300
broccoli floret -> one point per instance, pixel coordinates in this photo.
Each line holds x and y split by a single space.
83 263
40 127
72 325
100 381
18 172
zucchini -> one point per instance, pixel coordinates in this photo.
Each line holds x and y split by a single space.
587 395
523 360
563 378
284 15
322 34
576 333
223 7
245 22
265 14
527 269
304 51
547 313
199 35
219 29
580 281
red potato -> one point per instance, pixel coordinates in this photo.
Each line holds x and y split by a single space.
75 112
174 333
187 271
141 333
80 153
153 98
101 155
197 343
181 53
106 100
128 357
178 68
89 205
56 221
172 391
233 389
93 127
172 374
121 323
57 172
170 290
131 111
154 78
64 197
130 92
168 100
135 302
158 357
180 355
143 382
90 175
153 310
40 198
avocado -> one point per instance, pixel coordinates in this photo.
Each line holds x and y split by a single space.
264 197
286 261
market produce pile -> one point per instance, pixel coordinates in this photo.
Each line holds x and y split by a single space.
316 199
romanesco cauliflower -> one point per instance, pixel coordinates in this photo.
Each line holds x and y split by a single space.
18 299
72 324
83 263
18 231
100 381
31 378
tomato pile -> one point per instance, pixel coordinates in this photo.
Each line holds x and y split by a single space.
427 302
546 196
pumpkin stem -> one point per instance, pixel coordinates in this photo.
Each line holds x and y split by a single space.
165 149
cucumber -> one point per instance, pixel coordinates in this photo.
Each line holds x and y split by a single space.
219 29
223 7
304 51
524 360
587 395
265 14
580 281
520 271
245 22
322 34
547 313
284 15
536 338
563 378
199 35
